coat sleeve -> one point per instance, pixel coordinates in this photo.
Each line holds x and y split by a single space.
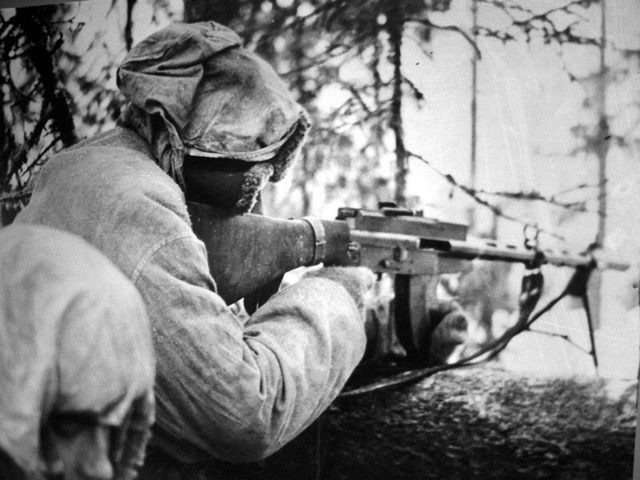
237 391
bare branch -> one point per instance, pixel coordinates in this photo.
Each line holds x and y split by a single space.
563 337
417 93
15 197
494 209
428 23
578 206
528 21
581 186
334 51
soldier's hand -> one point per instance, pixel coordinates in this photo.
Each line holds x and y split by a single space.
357 280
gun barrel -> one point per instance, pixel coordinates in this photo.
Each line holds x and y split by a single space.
401 253
509 253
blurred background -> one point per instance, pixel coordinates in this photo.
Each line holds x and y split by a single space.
501 114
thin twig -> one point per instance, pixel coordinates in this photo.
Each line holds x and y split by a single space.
470 192
563 337
578 206
428 23
16 196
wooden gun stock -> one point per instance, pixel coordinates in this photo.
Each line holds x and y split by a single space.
247 252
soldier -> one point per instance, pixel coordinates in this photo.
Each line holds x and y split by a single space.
76 361
207 118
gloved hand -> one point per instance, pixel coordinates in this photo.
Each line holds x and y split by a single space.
357 280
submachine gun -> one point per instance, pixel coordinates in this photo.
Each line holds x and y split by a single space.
249 254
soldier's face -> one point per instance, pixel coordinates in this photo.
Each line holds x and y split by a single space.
214 182
77 447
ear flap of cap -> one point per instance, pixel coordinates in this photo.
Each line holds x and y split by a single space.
289 151
274 170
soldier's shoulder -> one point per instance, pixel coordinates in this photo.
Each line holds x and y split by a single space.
117 161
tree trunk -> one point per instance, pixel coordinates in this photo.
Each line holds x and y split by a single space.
55 102
307 157
128 26
602 150
395 23
474 113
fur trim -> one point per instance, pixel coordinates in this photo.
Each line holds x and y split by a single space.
290 150
254 180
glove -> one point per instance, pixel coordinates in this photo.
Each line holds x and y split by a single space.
357 280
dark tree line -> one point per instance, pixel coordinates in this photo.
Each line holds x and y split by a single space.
37 114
